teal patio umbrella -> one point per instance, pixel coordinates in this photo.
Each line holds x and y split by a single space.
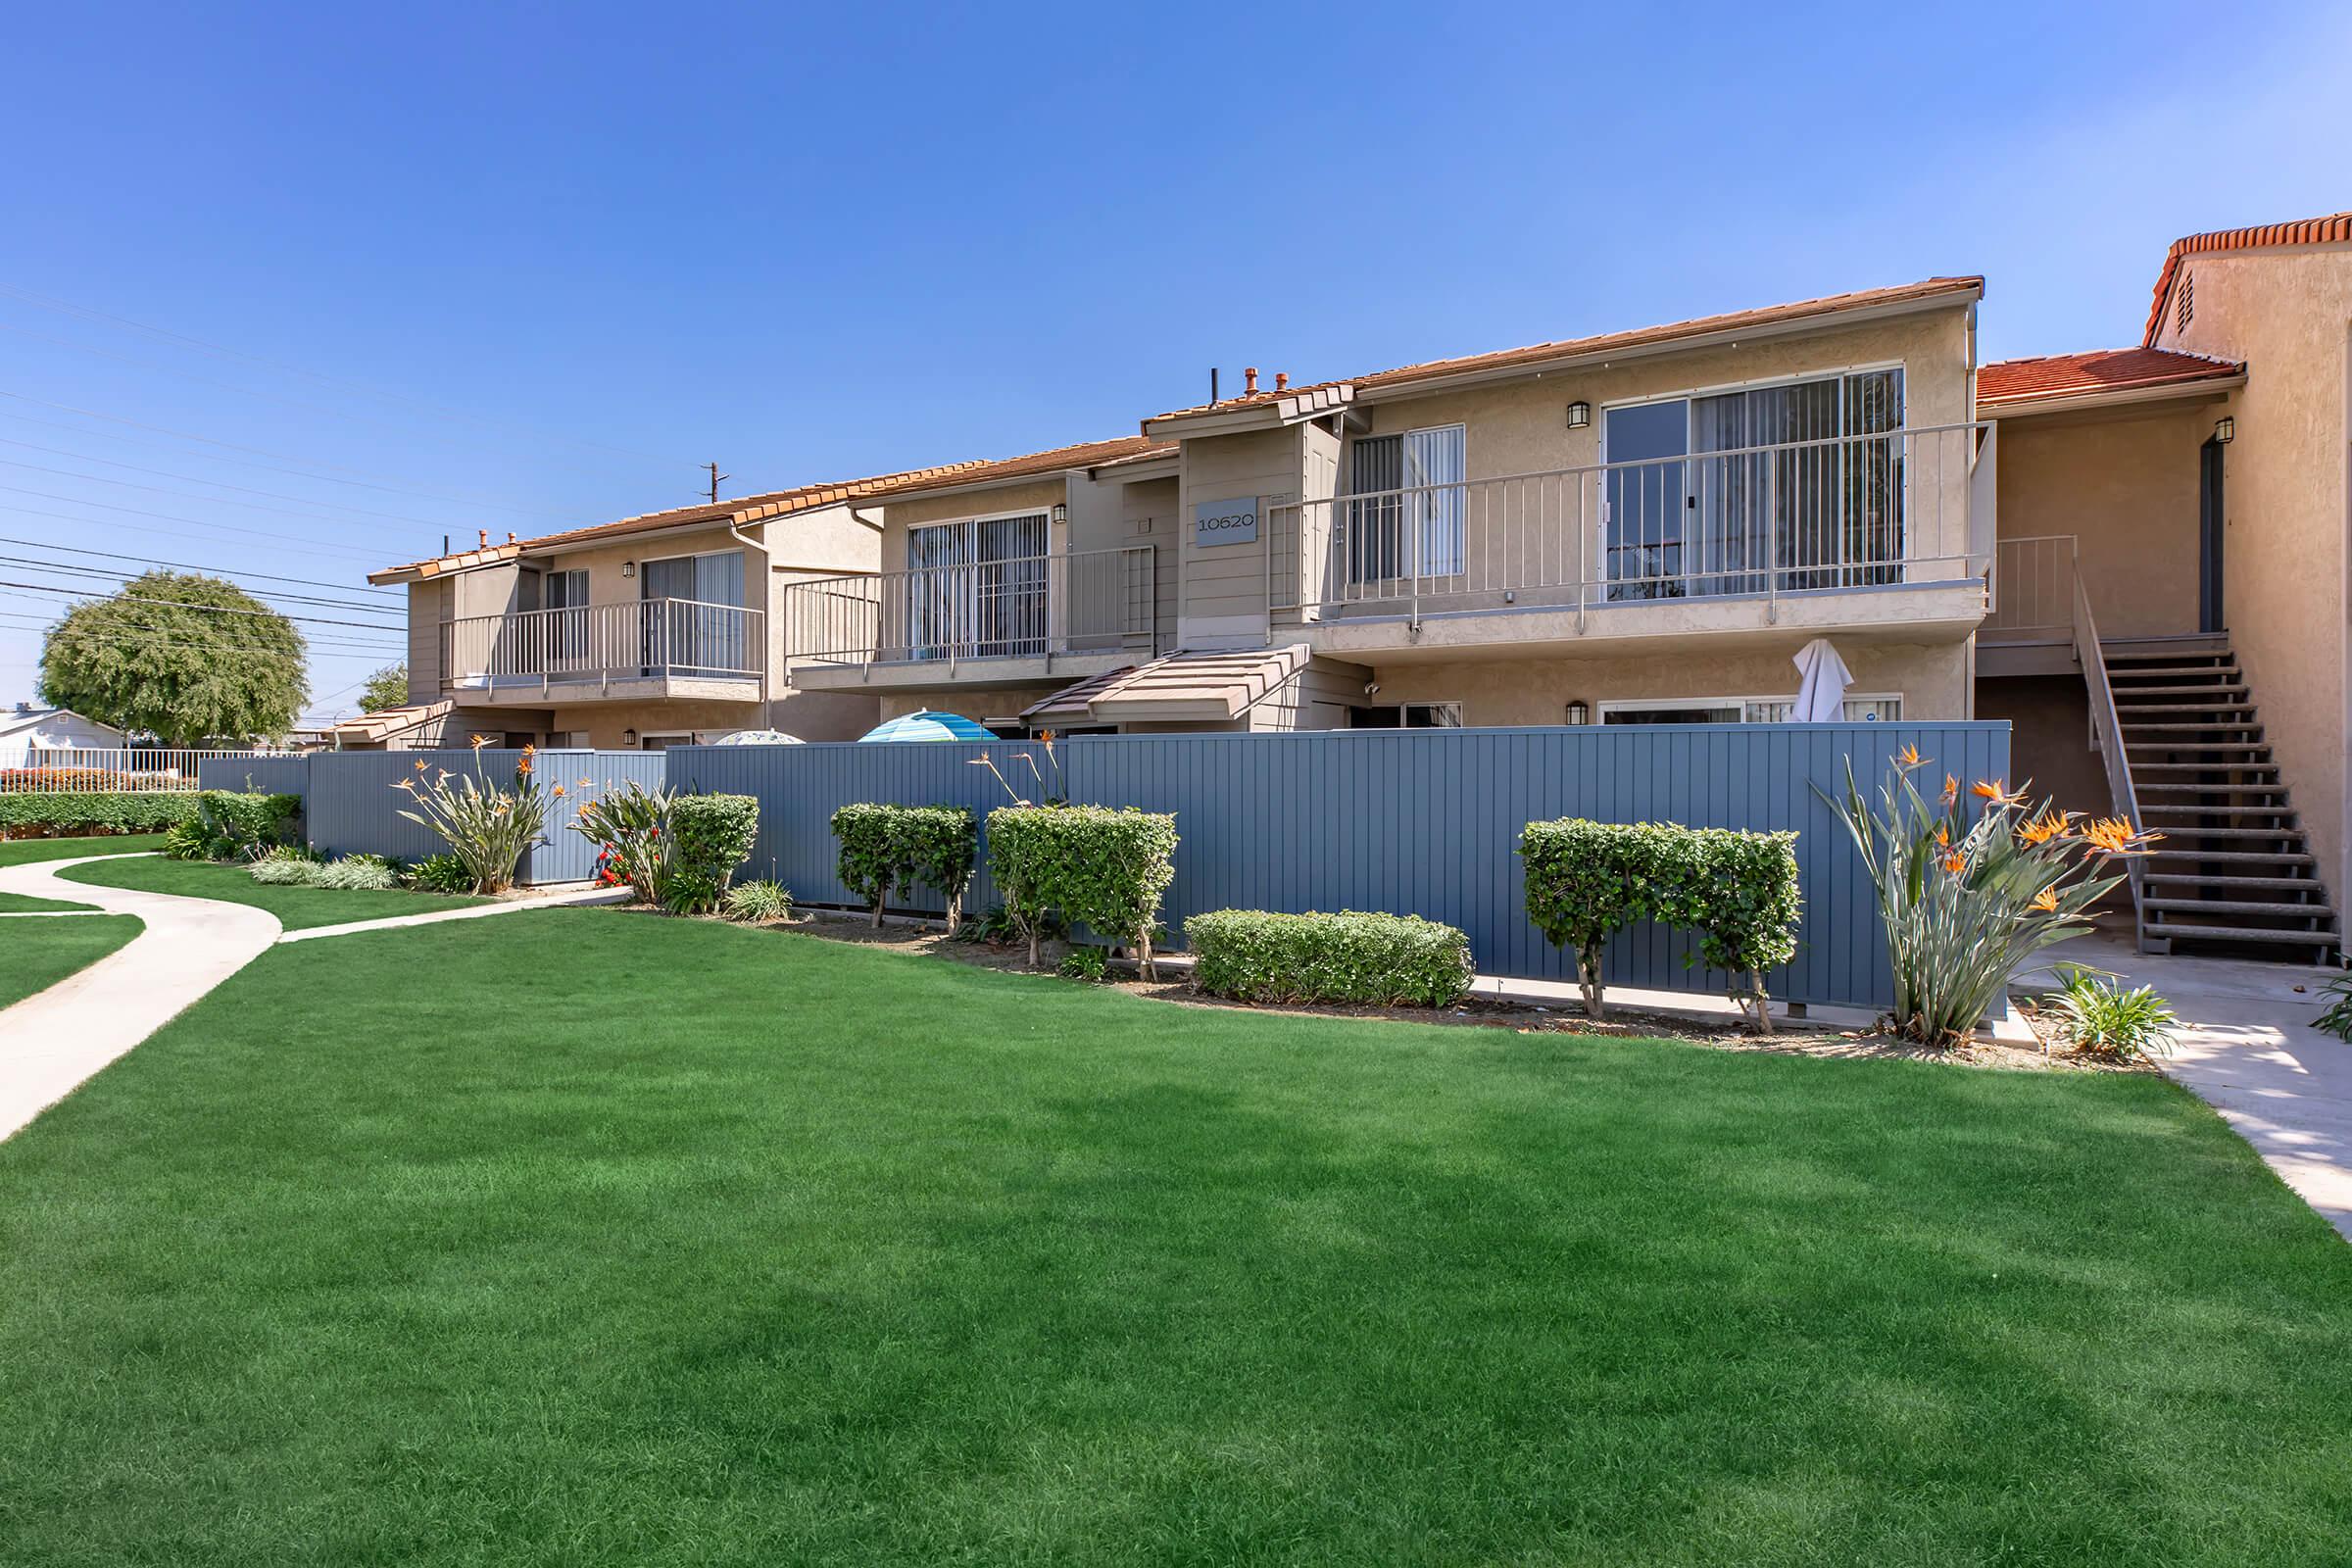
927 725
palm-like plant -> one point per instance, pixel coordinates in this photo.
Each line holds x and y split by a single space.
1965 903
487 827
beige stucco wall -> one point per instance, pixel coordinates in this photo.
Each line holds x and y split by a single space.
2288 313
1933 681
2050 738
977 704
1029 495
606 722
2124 484
1222 590
428 607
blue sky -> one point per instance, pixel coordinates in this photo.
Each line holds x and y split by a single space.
525 268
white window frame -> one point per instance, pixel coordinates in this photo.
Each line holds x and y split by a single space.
1685 705
1419 506
1453 703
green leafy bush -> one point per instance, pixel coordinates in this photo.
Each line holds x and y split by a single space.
486 826
2098 1015
1587 881
2338 1018
361 872
24 816
630 828
757 902
1092 964
1965 903
250 822
279 870
886 848
1090 864
439 873
1383 960
187 841
709 836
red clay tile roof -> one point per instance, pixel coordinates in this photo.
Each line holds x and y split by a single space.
1639 337
783 503
2334 229
2058 375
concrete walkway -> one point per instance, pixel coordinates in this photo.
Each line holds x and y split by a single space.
52 1041
552 901
2247 1047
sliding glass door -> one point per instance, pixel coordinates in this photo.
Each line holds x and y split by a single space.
1409 515
1797 485
977 588
694 621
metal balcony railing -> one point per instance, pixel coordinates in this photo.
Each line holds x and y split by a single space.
1027 607
2034 584
639 640
1908 505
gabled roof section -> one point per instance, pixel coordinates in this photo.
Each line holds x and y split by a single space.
750 509
2333 229
1957 289
1209 684
370 729
2099 372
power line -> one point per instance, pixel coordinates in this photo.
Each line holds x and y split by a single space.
162 637
231 571
287 547
194 523
218 484
358 478
187 495
461 415
173 604
115 574
341 640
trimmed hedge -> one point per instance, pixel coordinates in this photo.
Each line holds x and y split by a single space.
25 816
248 820
887 847
1383 960
1090 864
709 836
1587 881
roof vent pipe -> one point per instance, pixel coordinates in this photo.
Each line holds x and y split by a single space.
1213 385
1282 380
1248 380
482 538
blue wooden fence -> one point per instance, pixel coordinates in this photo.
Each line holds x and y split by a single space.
1414 821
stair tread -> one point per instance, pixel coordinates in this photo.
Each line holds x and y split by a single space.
2226 933
2147 670
2297 911
2208 879
2231 709
2204 768
2194 787
2209 808
2263 857
2123 692
2233 832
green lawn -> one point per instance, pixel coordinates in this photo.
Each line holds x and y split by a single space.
24 852
579 1237
36 955
295 907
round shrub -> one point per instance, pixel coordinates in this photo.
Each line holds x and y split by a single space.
1091 864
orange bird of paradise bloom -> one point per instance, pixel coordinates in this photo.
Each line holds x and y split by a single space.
2045 827
2046 901
1951 789
1997 792
480 741
2112 835
1908 756
1956 863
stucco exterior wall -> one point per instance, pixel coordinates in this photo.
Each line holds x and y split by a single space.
2124 484
914 511
2050 738
1932 680
2289 486
606 723
978 704
428 608
1222 588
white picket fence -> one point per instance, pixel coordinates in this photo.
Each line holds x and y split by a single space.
81 770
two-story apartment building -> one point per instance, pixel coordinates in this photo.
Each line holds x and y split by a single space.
1641 528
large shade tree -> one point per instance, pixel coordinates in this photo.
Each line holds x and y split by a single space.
388 687
182 657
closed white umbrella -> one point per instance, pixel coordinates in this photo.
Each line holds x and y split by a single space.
757 737
1821 696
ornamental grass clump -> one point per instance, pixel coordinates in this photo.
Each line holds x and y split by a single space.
1089 865
487 826
1965 903
2098 1015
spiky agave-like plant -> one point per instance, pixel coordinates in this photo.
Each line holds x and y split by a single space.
1965 903
485 826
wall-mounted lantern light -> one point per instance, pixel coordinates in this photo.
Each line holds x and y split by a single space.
2225 431
1579 416
1580 713
629 569
628 737
1062 514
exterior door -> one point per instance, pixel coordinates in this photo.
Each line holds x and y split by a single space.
2212 520
1649 498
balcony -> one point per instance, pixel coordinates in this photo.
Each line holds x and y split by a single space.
647 648
1889 530
1023 619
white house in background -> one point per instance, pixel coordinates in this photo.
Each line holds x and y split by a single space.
46 730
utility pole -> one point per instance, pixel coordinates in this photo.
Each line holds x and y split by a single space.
715 478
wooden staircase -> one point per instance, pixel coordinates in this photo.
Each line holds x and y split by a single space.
2233 870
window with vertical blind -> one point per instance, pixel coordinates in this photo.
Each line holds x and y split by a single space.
1411 518
977 586
1826 512
1876 708
693 622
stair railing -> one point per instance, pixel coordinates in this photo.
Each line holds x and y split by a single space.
2107 739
